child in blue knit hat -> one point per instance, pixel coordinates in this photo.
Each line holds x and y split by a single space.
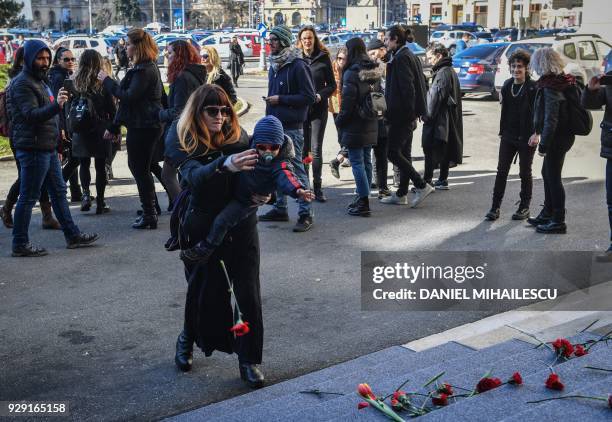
273 171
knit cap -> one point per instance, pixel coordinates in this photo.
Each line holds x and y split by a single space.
268 130
375 44
283 33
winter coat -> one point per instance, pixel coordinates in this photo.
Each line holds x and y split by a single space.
594 100
140 96
57 75
32 107
336 98
405 88
292 82
120 51
357 81
443 127
551 116
236 54
92 143
225 82
187 81
323 80
526 99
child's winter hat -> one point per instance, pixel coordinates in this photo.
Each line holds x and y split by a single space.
268 130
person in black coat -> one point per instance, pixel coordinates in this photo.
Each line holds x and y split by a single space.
140 100
185 75
443 123
208 167
552 124
215 73
121 58
359 134
515 132
317 57
594 97
94 133
236 60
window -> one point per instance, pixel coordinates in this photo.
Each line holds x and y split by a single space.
604 48
570 50
65 44
79 44
94 43
587 50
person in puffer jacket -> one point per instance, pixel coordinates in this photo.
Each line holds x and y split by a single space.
273 171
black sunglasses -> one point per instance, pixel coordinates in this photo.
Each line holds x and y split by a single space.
268 147
69 59
213 111
204 56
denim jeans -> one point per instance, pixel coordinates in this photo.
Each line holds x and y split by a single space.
609 192
361 163
38 167
297 136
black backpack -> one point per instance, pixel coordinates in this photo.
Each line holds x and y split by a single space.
82 117
580 119
373 106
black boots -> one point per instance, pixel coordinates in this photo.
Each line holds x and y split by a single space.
81 240
334 166
145 221
86 201
493 214
184 352
251 373
101 207
6 214
319 196
361 208
522 213
48 222
543 218
28 250
556 225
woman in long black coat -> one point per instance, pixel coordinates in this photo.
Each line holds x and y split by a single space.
236 60
208 167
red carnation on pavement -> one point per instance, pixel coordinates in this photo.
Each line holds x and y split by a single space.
563 347
396 405
445 389
241 328
516 379
441 400
487 384
554 383
307 159
364 390
580 351
399 394
362 405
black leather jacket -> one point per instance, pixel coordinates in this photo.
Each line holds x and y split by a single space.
551 121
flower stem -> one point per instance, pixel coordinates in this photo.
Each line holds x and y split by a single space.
231 288
598 369
542 343
319 392
570 397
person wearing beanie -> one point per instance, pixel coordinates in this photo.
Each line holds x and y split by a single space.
291 92
273 171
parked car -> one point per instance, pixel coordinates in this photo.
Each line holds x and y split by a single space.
253 40
469 27
449 39
483 36
607 62
53 34
583 54
79 43
221 42
162 40
476 67
512 34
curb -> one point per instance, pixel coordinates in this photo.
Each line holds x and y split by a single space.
7 158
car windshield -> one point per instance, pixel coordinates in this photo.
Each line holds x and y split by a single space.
415 48
482 51
437 35
530 47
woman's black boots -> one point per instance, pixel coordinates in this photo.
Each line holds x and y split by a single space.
556 225
184 352
148 219
361 207
543 217
251 373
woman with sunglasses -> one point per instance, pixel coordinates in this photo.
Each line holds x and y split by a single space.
211 149
140 100
216 74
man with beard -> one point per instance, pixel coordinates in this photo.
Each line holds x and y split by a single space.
33 110
290 93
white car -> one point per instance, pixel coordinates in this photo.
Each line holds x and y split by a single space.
79 43
221 42
582 53
449 39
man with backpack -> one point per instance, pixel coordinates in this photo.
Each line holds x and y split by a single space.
33 110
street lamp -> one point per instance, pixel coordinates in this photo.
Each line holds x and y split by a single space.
90 23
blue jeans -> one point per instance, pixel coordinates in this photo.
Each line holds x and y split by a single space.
297 136
38 167
609 192
361 163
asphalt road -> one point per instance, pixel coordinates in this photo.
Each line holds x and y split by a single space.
97 326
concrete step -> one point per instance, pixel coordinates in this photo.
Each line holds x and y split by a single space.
278 409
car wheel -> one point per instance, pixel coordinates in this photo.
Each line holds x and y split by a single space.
495 95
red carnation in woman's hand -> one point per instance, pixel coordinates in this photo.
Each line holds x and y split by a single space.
580 351
553 383
364 390
307 159
516 379
441 400
362 405
241 328
445 389
487 384
563 347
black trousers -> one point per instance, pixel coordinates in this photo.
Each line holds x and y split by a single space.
609 192
314 131
507 151
399 136
141 144
84 172
554 193
430 165
70 174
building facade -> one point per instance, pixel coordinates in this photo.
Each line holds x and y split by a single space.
304 12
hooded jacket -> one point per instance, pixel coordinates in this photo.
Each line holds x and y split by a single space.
323 80
594 100
292 82
357 81
32 107
187 81
405 88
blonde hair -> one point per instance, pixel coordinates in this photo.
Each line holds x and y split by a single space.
215 61
145 49
107 66
545 61
191 127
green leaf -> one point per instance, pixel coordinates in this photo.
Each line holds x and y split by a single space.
437 377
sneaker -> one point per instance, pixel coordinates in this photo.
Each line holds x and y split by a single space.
441 185
395 200
421 194
521 214
80 240
274 215
334 166
346 163
353 203
492 215
28 250
383 193
304 224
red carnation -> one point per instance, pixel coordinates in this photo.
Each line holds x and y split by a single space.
241 328
580 351
396 405
365 391
441 400
362 405
445 389
516 379
307 159
397 395
553 383
563 347
487 384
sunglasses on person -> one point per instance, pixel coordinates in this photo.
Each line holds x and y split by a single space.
267 147
205 55
213 111
69 59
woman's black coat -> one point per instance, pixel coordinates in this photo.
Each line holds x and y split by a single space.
324 82
187 81
225 82
92 143
551 120
357 81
